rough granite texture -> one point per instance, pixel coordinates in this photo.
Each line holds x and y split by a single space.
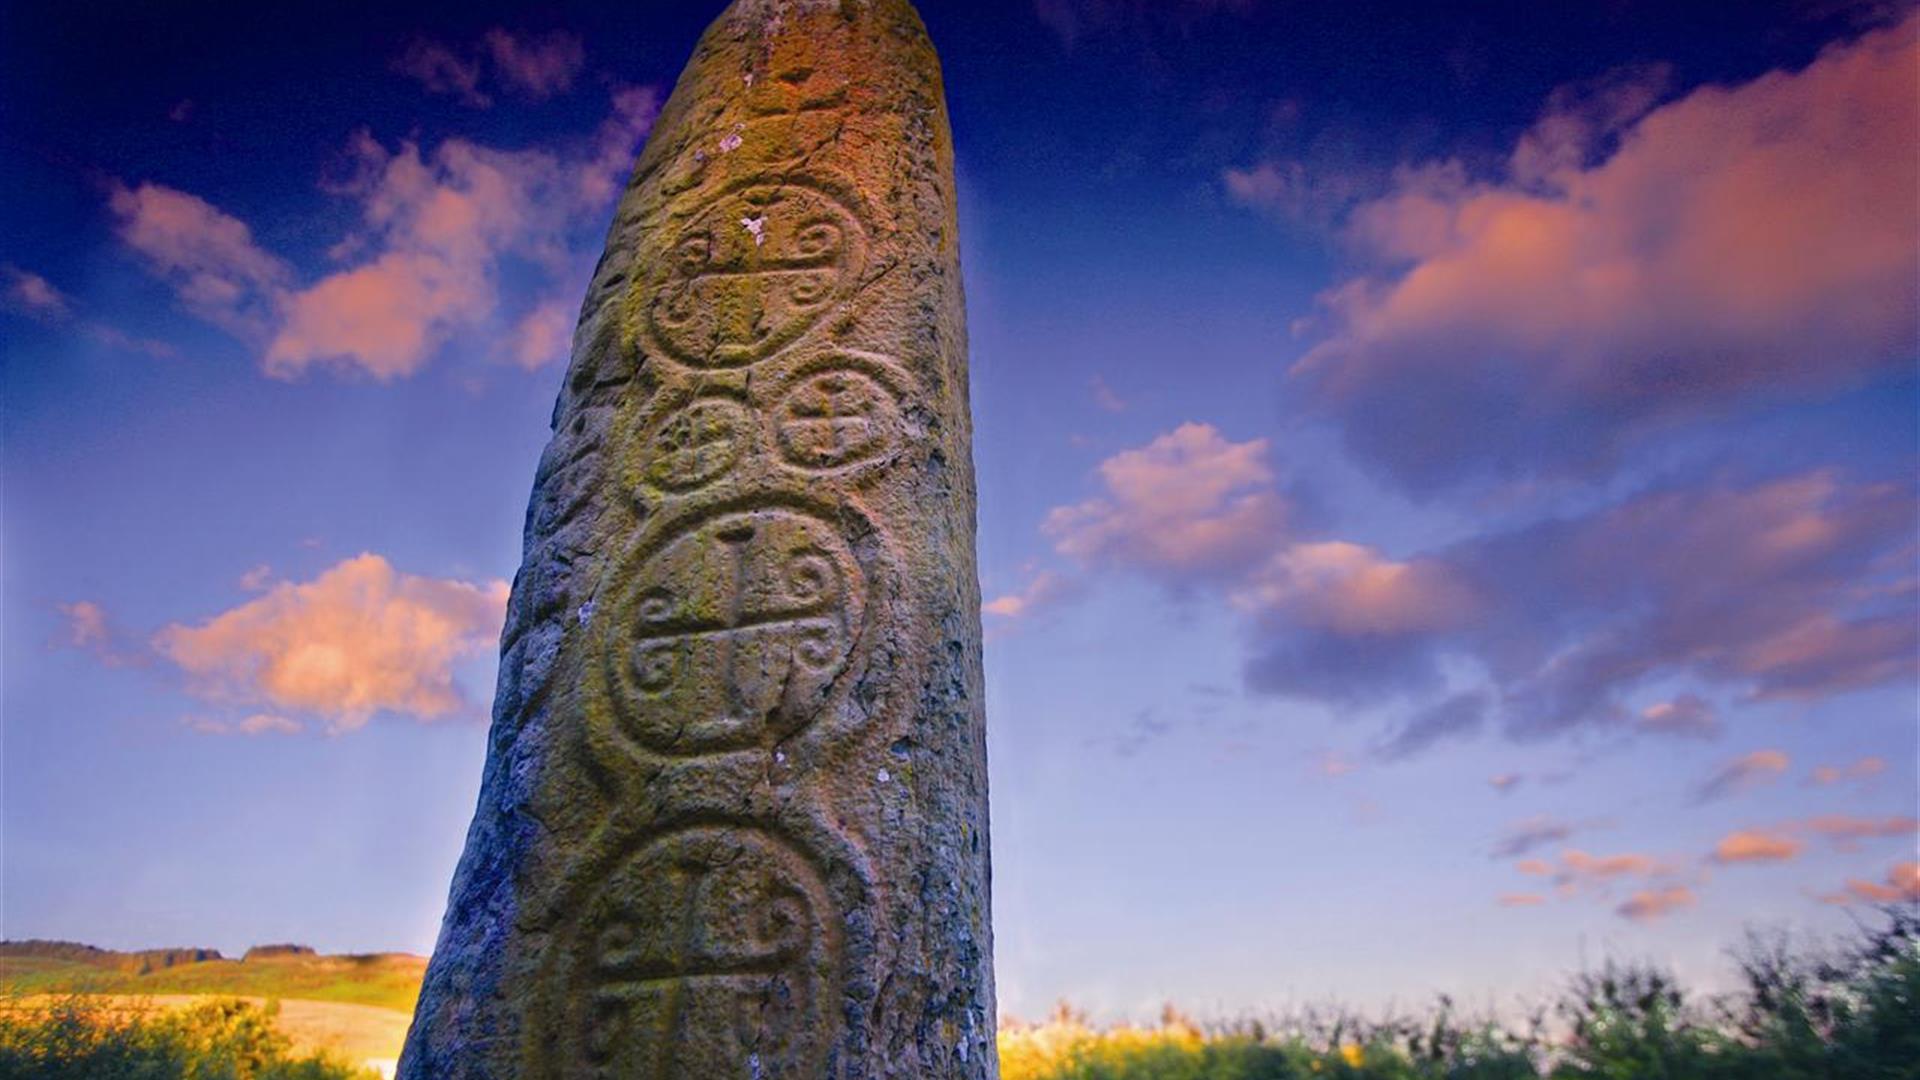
734 816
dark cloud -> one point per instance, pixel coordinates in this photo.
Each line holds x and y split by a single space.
1458 716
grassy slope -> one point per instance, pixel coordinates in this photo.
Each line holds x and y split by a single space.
384 980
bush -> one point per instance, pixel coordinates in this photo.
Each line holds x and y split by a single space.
76 1038
1802 1015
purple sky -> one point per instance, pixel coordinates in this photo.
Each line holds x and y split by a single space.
1447 483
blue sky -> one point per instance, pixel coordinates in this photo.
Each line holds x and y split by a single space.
1446 477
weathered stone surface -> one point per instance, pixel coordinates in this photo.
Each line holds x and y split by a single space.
734 815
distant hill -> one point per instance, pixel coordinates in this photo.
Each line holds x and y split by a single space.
385 980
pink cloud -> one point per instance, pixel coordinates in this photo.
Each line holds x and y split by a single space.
1756 846
1188 506
1522 899
88 628
437 228
1647 905
1744 773
1043 590
251 725
206 254
386 317
359 639
1688 716
1580 868
32 295
1863 769
1351 590
1542 323
1846 831
1902 885
543 336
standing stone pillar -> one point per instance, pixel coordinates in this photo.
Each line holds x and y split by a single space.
734 816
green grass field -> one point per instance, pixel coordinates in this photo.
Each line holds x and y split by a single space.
385 980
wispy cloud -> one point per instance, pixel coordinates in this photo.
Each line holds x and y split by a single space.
1647 905
253 724
1744 773
1526 837
533 66
86 626
1860 769
1687 716
30 294
1901 885
1043 589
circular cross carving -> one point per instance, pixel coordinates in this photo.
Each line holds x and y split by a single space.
835 420
730 634
703 950
751 272
697 444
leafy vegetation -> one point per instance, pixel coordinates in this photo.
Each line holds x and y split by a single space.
1801 1015
79 1038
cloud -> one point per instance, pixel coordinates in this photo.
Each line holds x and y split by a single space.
1333 764
1455 717
1633 269
1522 899
1580 868
538 67
1754 846
1743 773
1525 837
1648 905
250 725
87 627
543 336
1188 507
1045 589
32 295
359 639
26 293
1902 885
443 71
1846 831
1760 587
1863 769
438 230
1687 716
533 66
1505 783
207 255
1784 588
1295 191
1106 397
